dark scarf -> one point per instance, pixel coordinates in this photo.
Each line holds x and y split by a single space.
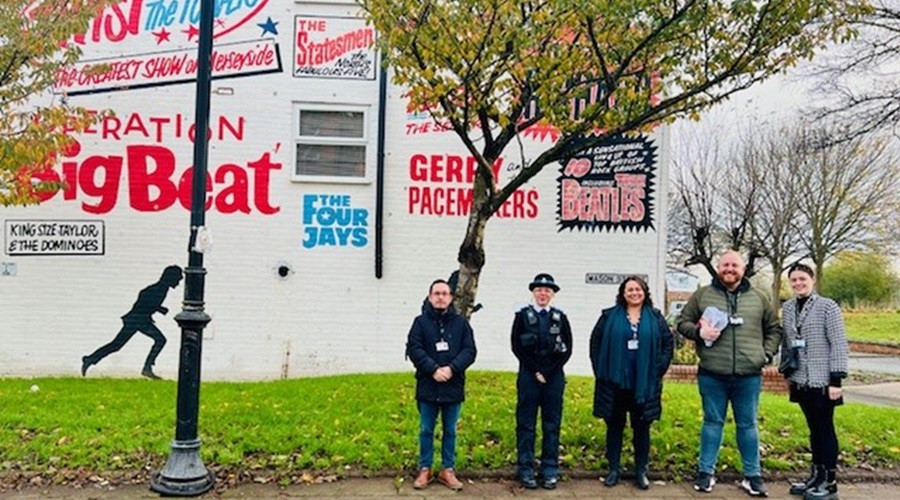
614 349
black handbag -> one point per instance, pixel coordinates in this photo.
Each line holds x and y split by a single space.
790 361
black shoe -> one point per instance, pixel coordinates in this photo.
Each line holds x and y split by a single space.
549 483
528 482
641 480
704 482
148 372
800 488
85 364
754 486
611 479
825 490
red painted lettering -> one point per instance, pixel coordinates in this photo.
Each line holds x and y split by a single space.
186 184
417 169
232 198
108 190
261 169
141 179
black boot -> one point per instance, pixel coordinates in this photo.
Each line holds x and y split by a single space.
86 362
816 471
148 372
640 478
612 478
640 472
825 490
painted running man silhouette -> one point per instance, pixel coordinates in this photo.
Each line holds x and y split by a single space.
140 319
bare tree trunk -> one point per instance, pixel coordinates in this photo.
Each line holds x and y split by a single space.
819 261
777 266
471 251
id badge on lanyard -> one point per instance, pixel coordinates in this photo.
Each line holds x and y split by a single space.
441 345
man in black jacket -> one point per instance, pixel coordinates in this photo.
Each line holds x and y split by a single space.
542 341
441 346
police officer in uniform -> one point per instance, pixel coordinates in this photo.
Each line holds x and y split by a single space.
542 341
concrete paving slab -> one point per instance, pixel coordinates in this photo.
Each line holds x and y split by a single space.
384 488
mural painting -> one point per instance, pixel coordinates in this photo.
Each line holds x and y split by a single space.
609 186
140 319
334 47
331 220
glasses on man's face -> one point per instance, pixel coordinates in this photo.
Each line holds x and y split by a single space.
441 293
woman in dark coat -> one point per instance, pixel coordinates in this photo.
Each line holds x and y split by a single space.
631 348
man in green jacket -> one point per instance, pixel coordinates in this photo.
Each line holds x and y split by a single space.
732 354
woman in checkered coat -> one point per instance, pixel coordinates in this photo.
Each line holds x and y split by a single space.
814 332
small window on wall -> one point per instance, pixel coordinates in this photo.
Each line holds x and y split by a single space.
330 144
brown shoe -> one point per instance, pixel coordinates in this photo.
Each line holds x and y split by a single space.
422 479
448 478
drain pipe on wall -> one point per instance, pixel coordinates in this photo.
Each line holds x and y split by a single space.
379 176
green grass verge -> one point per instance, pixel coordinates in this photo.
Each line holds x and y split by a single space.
369 423
873 326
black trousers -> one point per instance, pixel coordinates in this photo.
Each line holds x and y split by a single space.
819 412
128 330
549 398
623 404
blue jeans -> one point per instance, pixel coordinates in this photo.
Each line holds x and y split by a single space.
716 392
428 413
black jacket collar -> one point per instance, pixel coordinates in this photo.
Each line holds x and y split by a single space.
431 312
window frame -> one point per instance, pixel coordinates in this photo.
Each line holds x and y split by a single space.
297 109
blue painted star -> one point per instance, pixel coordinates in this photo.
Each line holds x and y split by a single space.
268 27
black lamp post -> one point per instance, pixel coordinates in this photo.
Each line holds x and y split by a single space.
184 473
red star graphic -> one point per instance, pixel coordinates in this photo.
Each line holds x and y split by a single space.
191 32
161 36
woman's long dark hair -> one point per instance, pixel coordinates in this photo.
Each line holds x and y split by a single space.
620 297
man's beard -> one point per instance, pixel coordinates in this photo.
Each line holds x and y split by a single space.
729 278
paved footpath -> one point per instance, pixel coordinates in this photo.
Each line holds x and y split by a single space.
383 488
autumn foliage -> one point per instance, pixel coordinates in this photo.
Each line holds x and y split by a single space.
584 70
34 121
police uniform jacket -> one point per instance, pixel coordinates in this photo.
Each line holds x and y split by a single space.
538 348
427 330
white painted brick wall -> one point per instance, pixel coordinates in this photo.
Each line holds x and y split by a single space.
332 314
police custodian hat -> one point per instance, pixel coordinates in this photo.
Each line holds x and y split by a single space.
544 280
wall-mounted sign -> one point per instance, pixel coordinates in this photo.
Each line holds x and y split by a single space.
152 43
334 47
228 60
611 278
54 237
331 220
609 186
441 185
